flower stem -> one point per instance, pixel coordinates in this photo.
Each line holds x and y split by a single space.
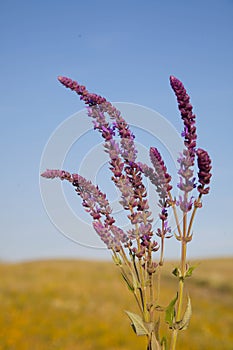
181 281
175 214
193 214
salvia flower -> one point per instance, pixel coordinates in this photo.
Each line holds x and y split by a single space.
158 177
138 265
187 158
164 178
97 106
105 234
185 205
61 174
88 98
187 115
204 175
187 180
122 156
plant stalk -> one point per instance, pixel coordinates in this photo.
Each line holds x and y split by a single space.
181 281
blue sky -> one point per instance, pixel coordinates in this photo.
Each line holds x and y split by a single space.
126 51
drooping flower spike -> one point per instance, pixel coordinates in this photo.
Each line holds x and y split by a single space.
97 205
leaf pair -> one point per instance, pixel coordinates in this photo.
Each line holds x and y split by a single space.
170 315
177 272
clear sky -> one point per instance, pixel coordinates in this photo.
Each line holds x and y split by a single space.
126 51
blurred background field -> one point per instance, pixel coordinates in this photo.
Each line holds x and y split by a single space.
72 304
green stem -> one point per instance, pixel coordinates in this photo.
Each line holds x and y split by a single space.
158 284
193 215
139 271
180 295
140 282
160 263
174 339
175 214
127 263
151 289
162 245
181 281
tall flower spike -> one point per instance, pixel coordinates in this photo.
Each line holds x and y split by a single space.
204 175
157 175
187 115
164 178
187 158
161 179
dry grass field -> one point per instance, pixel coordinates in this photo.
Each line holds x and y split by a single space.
74 305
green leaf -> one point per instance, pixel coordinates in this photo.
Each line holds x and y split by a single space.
137 324
136 284
129 284
184 323
190 271
176 272
170 312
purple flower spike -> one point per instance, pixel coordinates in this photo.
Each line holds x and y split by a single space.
61 174
87 97
204 175
163 178
97 106
97 205
187 115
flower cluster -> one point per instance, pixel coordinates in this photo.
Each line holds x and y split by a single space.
97 106
133 250
187 181
89 99
61 174
163 178
159 177
204 175
187 158
126 172
187 115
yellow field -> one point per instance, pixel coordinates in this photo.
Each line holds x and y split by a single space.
72 305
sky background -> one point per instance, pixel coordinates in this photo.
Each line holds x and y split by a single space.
125 51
